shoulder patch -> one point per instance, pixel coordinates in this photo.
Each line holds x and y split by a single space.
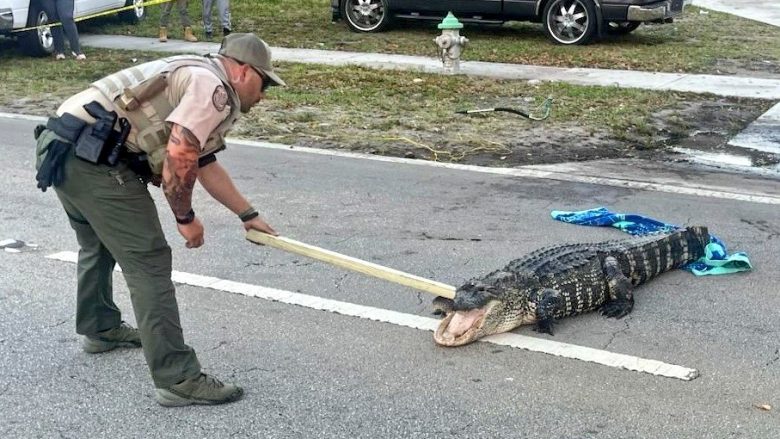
219 98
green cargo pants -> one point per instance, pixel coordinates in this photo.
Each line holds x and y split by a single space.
115 220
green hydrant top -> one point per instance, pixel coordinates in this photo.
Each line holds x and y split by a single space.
450 22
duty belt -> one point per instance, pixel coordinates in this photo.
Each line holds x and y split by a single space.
97 142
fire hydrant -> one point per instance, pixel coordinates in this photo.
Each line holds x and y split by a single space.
450 43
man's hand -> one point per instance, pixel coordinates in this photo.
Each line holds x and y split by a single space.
258 224
192 232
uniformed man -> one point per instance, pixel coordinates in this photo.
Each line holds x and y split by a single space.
178 110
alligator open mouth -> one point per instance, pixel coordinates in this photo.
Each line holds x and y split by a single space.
462 327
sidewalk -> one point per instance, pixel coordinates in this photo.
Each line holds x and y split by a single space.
761 135
765 11
732 86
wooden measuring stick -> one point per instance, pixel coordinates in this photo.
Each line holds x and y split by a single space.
354 264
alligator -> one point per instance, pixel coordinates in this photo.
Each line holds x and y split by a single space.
563 280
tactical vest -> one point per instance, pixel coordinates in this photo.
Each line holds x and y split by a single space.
138 94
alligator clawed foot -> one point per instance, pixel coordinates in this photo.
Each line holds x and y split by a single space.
544 327
617 308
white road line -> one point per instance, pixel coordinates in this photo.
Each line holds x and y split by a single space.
549 172
23 117
559 349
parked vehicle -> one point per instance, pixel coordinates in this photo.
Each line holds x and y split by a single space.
565 21
20 14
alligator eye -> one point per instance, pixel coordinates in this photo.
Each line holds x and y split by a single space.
484 287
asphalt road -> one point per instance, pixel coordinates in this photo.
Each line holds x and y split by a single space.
312 374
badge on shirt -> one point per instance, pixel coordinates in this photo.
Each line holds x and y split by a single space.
219 98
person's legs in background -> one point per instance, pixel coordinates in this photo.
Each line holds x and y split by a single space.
184 16
50 7
65 12
207 27
223 7
165 16
185 21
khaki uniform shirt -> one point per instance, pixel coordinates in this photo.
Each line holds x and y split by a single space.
198 97
202 102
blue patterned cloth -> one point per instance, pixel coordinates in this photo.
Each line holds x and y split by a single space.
715 261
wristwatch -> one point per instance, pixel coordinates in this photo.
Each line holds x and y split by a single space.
187 218
248 214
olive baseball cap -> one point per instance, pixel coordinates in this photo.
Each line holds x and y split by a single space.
249 49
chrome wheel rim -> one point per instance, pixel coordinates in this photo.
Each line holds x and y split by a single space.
44 33
138 8
365 15
568 20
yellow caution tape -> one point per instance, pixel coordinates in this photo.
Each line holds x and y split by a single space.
99 14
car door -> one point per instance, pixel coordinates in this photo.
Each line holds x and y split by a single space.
82 8
441 7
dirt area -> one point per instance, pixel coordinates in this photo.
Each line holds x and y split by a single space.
521 145
506 140
766 69
37 107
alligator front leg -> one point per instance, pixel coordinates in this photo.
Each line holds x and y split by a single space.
621 297
548 302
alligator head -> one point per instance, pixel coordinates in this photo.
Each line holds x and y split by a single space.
479 310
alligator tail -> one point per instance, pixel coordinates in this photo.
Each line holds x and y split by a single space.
657 255
698 238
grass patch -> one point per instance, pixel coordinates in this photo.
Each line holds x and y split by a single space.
698 42
412 114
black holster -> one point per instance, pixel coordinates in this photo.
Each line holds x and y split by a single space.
94 141
97 142
67 126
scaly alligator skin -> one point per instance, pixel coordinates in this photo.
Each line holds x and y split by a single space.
564 280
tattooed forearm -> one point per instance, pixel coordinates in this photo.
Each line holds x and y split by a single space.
183 135
180 170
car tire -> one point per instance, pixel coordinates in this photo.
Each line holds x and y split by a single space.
133 16
37 42
621 27
570 22
366 15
